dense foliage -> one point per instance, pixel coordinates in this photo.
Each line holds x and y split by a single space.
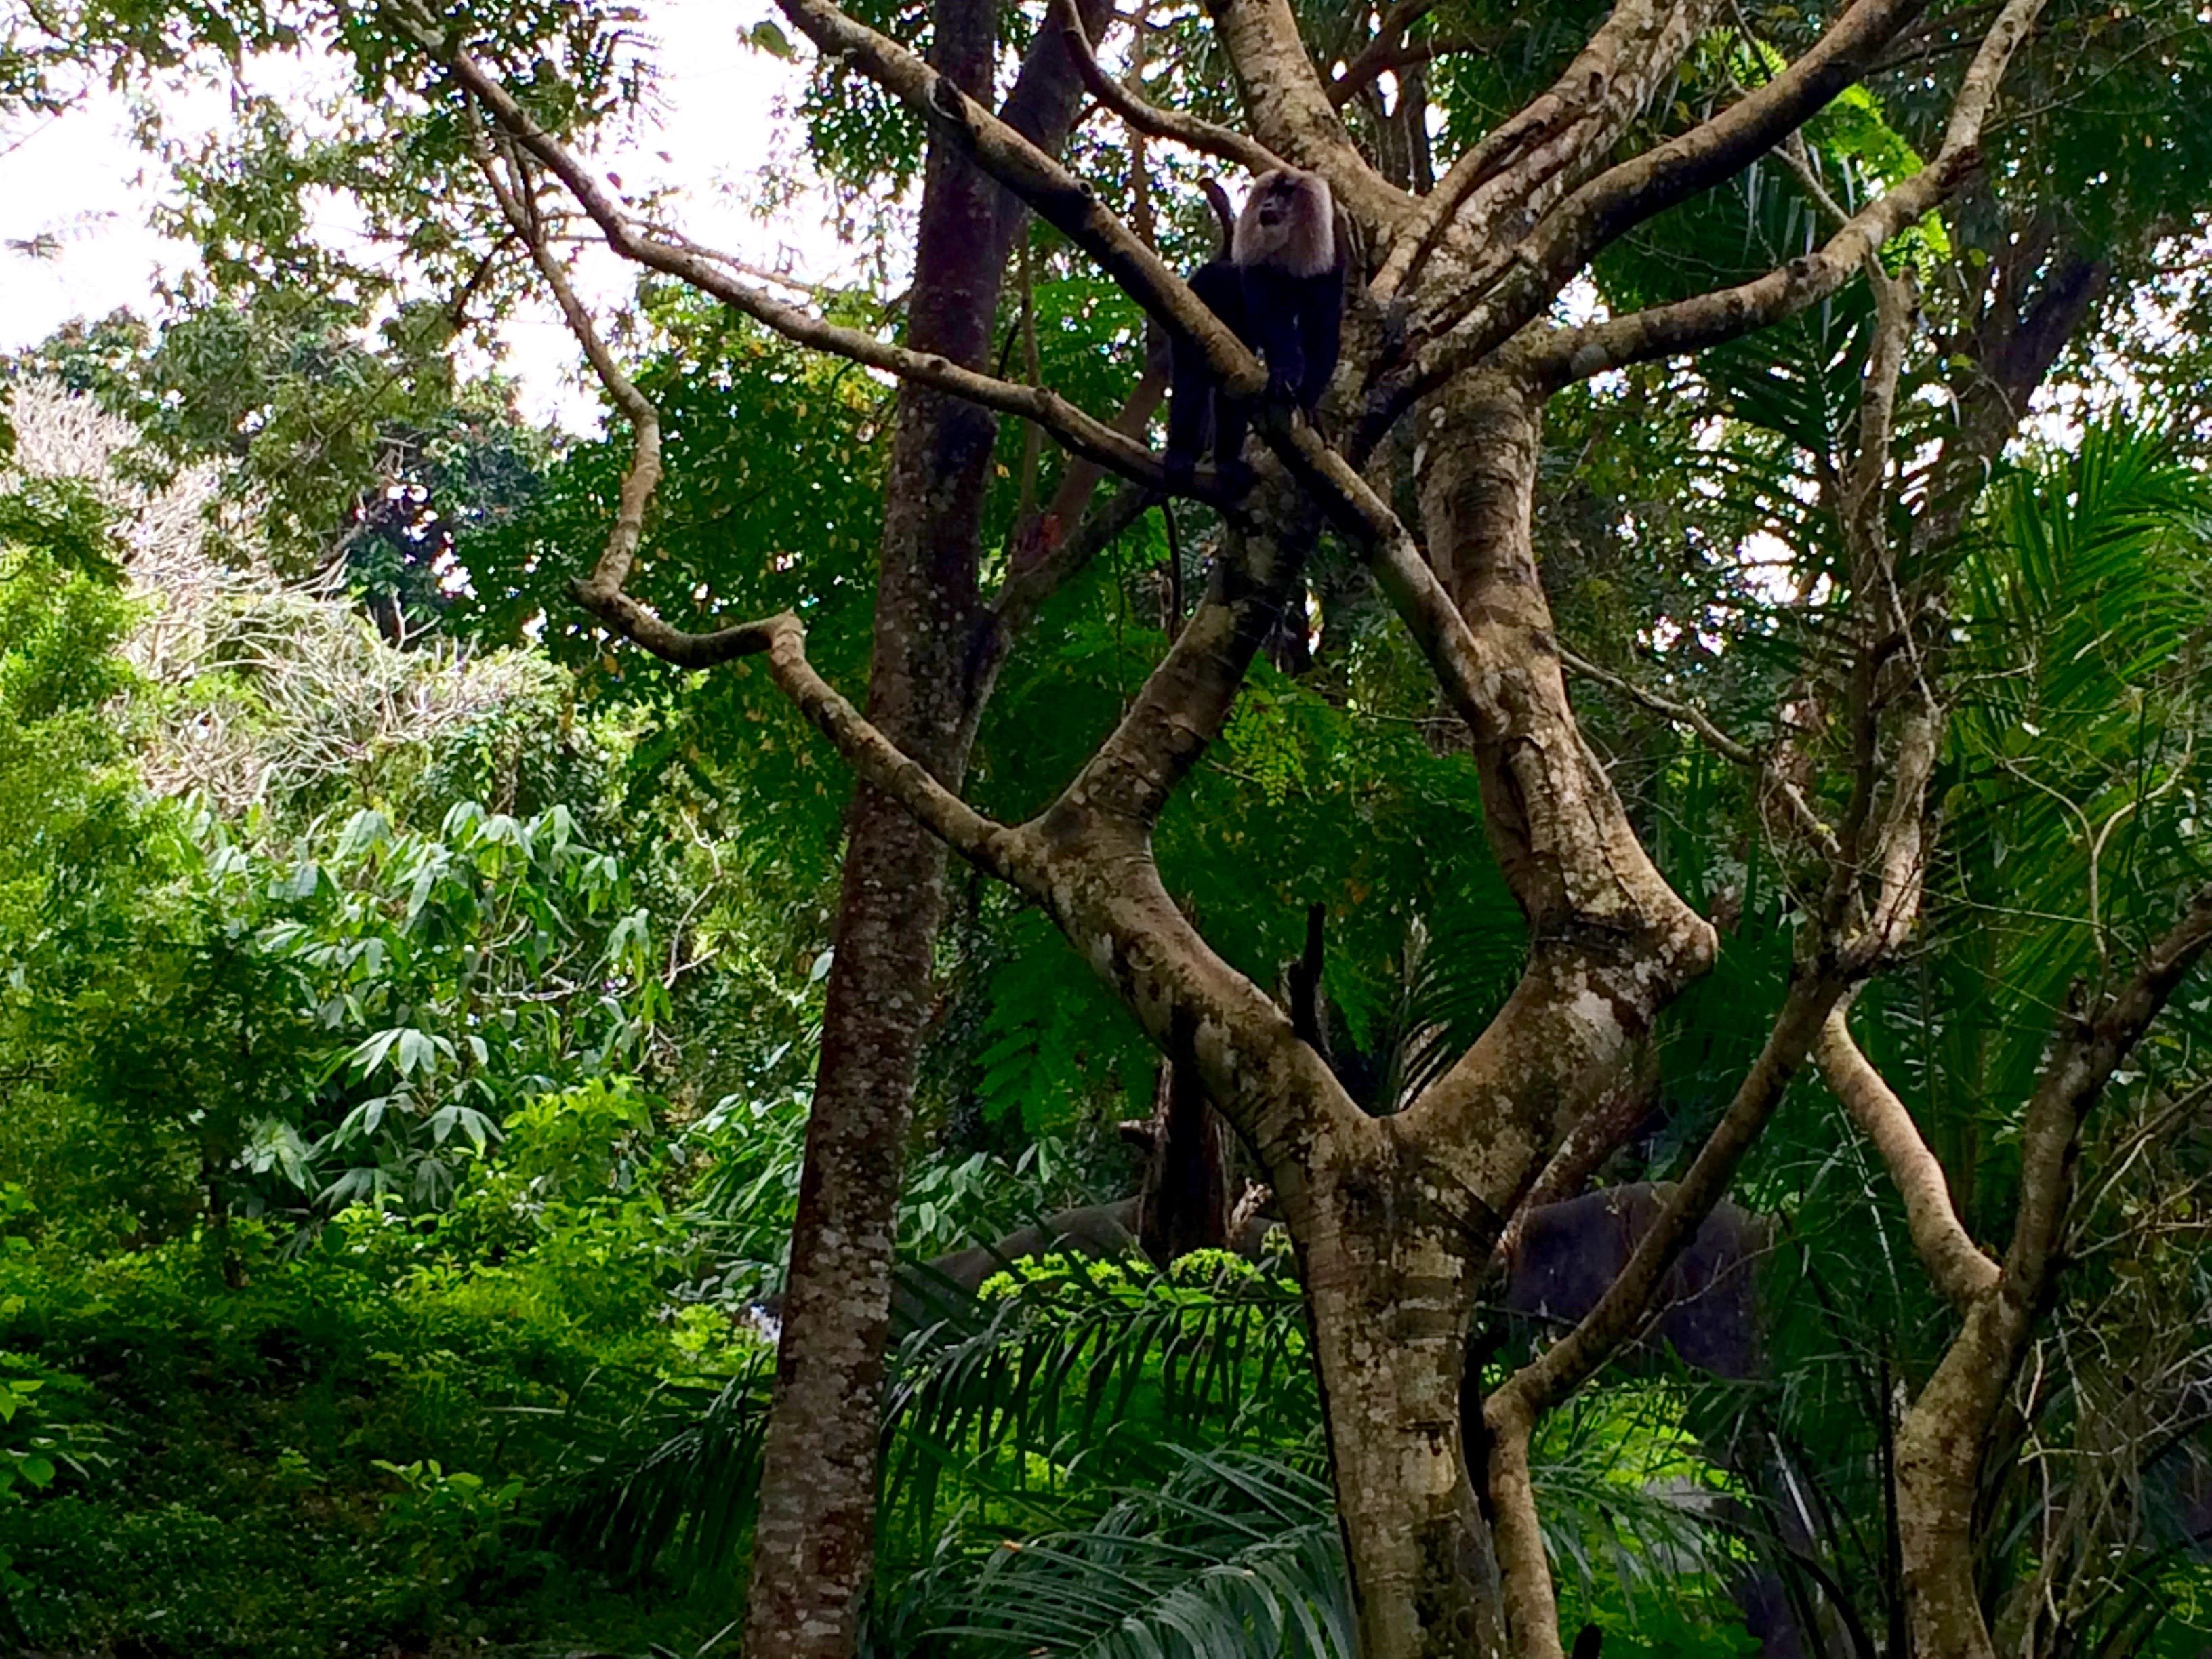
407 1000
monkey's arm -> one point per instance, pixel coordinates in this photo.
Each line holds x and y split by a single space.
1322 306
1272 305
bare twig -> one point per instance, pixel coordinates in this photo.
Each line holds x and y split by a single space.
1728 748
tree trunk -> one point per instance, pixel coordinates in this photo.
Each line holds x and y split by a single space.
1390 1291
813 1548
1185 1202
1940 1448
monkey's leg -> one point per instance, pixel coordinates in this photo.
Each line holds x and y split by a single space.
1195 410
1191 398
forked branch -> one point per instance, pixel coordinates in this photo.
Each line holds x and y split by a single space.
1636 189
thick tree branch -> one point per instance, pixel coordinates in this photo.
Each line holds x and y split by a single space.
1187 698
1726 313
1520 168
1636 190
1290 108
1525 1567
1959 1270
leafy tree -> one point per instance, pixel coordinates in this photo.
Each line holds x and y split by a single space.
1696 341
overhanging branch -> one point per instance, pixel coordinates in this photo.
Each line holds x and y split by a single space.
1081 433
1205 136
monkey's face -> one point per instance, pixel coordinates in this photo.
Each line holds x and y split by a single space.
1278 201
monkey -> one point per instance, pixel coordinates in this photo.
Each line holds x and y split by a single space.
1197 412
1293 263
1279 284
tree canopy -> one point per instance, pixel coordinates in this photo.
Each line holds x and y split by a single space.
851 1018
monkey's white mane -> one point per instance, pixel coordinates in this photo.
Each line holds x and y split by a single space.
1303 245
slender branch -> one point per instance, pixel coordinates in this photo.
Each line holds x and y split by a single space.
2076 1075
874 756
1376 55
1081 433
1864 494
1728 314
1379 60
1204 135
1575 1357
1522 166
1728 748
1959 1270
1525 1567
1026 590
781 638
642 476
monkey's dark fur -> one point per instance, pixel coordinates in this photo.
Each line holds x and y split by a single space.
1279 284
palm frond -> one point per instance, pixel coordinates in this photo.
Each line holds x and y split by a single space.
1456 975
1236 1553
685 1504
1112 1359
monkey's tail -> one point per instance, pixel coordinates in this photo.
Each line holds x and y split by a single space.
1175 562
1219 199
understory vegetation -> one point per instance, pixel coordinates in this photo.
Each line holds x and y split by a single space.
1752 793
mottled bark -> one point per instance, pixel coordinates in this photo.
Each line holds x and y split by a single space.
813 1548
1393 1217
1390 1270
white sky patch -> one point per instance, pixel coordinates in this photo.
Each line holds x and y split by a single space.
78 189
